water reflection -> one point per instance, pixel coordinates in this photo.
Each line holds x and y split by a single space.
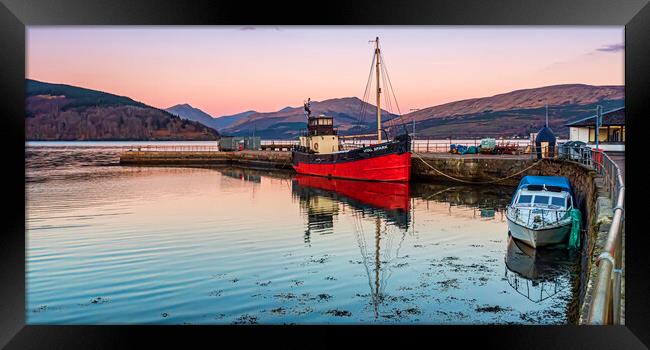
241 174
537 274
488 199
227 245
386 204
321 197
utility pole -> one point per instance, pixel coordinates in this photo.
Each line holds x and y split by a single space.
413 110
547 115
599 110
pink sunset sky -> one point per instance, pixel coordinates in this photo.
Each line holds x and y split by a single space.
227 70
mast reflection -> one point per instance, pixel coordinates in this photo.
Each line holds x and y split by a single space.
387 204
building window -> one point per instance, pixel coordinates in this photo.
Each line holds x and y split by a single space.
602 134
615 133
623 133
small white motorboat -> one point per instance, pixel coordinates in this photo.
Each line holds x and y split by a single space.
540 211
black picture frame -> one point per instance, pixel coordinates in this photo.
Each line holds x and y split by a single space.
16 14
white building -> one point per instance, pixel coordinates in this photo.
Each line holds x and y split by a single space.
611 134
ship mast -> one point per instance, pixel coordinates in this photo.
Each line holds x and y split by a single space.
378 91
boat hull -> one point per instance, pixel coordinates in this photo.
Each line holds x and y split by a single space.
539 237
393 167
389 161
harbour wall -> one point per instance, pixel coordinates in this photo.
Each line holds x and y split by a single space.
590 196
251 159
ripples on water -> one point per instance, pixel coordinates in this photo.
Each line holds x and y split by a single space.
108 244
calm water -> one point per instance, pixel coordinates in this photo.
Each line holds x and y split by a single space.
108 244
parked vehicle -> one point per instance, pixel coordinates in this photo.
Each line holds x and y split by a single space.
488 145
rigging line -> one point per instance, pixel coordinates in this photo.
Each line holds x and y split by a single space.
390 83
388 101
391 122
386 87
362 246
361 114
393 91
390 89
364 101
366 93
390 271
359 228
473 182
389 106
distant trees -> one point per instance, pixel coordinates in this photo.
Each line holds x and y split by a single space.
92 117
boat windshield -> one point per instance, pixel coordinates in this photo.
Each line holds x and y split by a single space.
525 199
541 200
544 200
559 201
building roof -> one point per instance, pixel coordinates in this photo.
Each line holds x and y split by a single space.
613 117
545 134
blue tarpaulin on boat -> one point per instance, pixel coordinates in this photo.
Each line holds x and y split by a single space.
557 181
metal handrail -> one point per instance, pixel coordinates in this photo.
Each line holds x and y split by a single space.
171 148
443 146
516 146
606 303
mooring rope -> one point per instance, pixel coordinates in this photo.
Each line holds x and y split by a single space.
473 182
285 163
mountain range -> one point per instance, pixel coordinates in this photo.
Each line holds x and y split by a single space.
54 111
186 111
289 121
64 112
516 113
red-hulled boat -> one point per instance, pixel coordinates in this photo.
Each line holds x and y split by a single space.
319 152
